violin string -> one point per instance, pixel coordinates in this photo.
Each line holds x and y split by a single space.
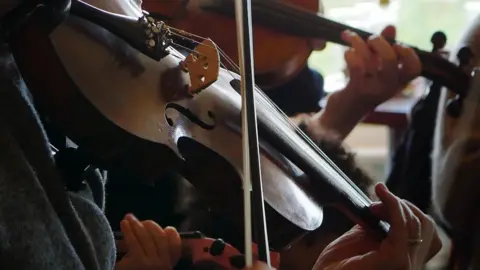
272 107
181 33
266 102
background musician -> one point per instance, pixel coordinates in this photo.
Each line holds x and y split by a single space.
455 161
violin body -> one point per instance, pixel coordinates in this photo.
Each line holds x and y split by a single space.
278 56
151 110
118 104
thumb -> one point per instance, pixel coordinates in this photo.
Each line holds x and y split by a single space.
389 32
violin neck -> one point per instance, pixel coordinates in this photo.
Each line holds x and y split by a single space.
287 18
293 20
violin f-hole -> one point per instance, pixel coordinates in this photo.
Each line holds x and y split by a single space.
190 116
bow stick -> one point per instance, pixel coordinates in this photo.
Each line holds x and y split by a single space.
252 179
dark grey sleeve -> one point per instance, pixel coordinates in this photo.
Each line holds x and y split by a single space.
41 226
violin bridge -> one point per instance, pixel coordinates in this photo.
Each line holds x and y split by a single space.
203 66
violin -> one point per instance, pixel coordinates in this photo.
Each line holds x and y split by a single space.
274 64
200 250
152 110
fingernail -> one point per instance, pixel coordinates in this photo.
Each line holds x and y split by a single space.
382 187
131 216
346 33
374 204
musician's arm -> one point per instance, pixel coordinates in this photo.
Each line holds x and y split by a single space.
340 116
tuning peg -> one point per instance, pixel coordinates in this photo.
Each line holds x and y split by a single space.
438 40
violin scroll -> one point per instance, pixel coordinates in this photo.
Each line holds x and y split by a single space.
455 104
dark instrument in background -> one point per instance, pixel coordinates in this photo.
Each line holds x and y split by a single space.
161 111
410 177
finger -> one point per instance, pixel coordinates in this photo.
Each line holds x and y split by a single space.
429 231
121 246
318 44
175 243
389 32
130 240
414 234
355 242
355 64
379 210
410 63
160 241
358 44
414 226
384 51
413 222
396 217
143 237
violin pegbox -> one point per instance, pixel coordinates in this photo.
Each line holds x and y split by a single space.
203 66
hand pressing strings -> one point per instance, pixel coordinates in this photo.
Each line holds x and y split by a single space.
378 71
411 242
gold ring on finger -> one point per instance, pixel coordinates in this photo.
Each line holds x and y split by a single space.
415 241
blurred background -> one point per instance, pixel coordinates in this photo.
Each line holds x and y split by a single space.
416 21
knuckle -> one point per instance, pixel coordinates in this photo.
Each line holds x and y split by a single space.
149 222
374 38
417 223
353 35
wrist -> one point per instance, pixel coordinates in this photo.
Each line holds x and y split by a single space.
315 131
350 103
342 113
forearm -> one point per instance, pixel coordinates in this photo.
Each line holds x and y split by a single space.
339 117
